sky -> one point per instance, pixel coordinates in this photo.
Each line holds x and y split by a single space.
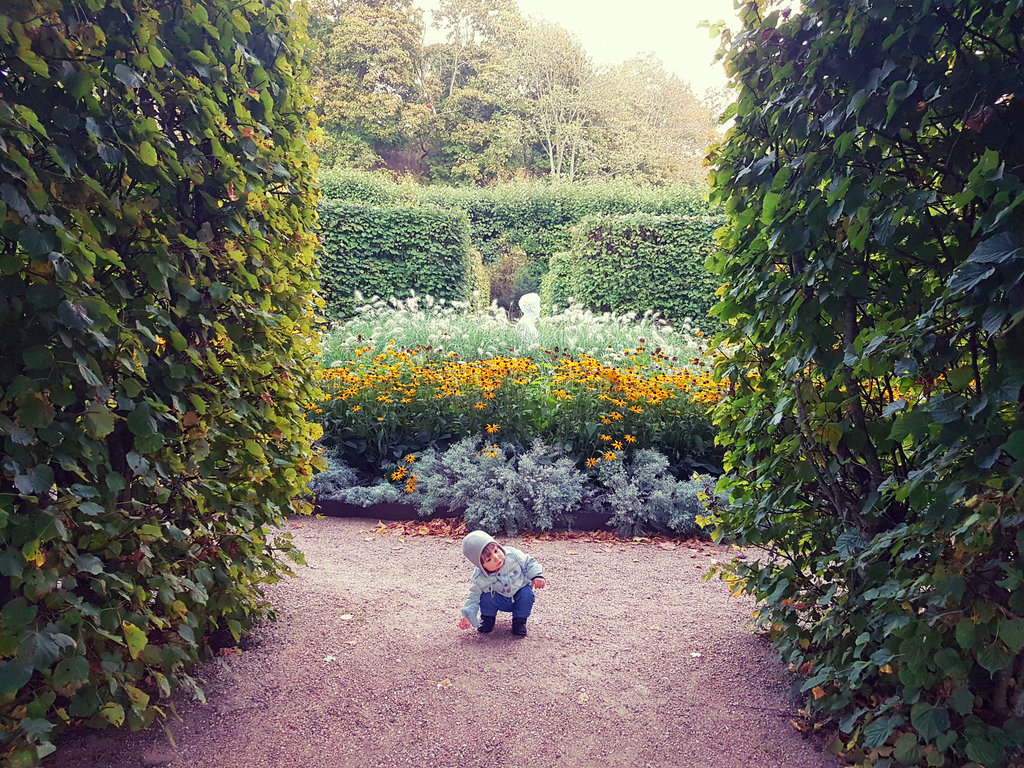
613 31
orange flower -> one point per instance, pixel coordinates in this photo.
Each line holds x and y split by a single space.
492 428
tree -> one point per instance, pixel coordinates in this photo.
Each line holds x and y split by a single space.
649 124
548 79
367 77
873 270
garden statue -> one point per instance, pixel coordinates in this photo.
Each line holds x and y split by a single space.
529 305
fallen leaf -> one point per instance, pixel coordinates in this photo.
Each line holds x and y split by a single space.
346 617
667 545
695 654
818 691
571 552
328 658
583 696
446 683
350 642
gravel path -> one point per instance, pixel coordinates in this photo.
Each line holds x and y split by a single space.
631 661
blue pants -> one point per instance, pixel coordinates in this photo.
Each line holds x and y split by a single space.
520 604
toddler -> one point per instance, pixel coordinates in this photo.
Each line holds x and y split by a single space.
503 580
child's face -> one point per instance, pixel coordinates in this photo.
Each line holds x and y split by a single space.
492 558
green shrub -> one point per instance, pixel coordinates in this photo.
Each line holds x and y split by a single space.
391 251
644 262
156 269
874 270
554 286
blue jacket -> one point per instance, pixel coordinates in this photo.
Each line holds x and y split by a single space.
519 570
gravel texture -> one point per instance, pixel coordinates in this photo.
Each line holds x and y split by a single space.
631 660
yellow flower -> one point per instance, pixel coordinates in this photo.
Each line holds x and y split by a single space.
606 438
410 458
398 474
592 462
636 409
492 428
616 415
617 445
605 420
357 408
610 456
479 406
630 439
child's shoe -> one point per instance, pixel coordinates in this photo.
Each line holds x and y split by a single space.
486 624
519 627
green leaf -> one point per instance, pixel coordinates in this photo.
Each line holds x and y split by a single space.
71 673
135 638
962 701
930 722
140 421
37 358
13 675
89 564
1014 445
147 154
906 749
965 633
984 751
877 732
156 55
35 411
99 423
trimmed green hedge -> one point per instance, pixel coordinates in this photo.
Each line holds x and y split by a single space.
389 252
535 216
639 263
157 269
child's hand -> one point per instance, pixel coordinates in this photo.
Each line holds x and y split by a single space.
538 583
464 623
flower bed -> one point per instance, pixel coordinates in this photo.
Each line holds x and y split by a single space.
522 440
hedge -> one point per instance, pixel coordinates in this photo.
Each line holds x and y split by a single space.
389 252
639 263
532 216
157 196
873 269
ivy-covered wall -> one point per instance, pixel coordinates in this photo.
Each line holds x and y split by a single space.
157 269
638 263
387 252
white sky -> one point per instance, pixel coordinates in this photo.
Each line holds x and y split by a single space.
615 30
